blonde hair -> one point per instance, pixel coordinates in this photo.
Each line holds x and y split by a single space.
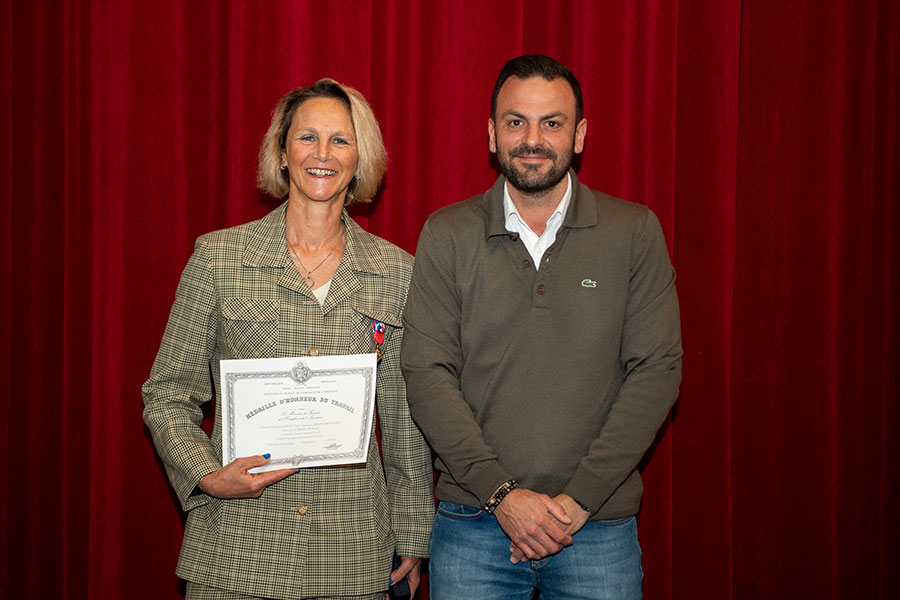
274 180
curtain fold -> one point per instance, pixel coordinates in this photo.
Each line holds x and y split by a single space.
706 159
763 133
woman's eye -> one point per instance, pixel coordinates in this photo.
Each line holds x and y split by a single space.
340 141
307 137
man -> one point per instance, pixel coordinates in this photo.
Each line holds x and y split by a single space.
542 352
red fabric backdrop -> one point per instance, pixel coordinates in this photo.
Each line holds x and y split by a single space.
764 133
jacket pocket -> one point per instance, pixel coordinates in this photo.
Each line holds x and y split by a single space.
250 326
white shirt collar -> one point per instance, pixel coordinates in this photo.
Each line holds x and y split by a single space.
536 244
509 207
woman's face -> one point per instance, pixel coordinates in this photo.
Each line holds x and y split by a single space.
320 151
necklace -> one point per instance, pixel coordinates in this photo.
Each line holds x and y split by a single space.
310 282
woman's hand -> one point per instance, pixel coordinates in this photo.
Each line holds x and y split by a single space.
234 481
410 567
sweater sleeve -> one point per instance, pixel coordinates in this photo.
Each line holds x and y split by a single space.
432 361
180 382
651 358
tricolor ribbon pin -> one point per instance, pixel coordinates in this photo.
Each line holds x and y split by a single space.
378 336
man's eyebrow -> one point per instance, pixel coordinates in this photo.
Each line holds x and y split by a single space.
559 115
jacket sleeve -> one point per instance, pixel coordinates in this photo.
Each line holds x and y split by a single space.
406 458
432 361
180 382
651 358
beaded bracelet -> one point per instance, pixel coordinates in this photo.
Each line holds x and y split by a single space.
498 496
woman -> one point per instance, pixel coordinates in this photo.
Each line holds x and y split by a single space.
304 280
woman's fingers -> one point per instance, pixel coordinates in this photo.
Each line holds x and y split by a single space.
235 481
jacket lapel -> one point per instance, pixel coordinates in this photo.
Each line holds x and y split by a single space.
266 247
361 260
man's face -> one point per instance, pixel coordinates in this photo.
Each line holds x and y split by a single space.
535 135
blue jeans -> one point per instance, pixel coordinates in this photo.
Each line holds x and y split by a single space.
470 560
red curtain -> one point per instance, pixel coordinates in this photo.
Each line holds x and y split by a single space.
764 133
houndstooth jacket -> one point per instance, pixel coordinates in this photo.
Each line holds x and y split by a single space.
323 531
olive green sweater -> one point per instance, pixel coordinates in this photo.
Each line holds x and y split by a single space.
558 377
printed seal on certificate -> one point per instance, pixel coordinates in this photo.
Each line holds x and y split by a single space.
310 412
301 372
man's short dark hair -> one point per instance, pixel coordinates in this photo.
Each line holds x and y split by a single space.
538 65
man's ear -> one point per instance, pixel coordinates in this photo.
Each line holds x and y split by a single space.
580 132
492 136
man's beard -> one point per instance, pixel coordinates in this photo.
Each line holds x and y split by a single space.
528 180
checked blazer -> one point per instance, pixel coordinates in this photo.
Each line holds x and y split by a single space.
323 531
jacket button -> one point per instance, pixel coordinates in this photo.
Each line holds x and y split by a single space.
541 289
526 263
313 351
301 509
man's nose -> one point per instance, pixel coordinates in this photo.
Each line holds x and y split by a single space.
533 135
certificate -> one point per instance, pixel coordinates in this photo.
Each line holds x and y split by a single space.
310 411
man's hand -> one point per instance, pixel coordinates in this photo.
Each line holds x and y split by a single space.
410 567
233 480
534 523
577 518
